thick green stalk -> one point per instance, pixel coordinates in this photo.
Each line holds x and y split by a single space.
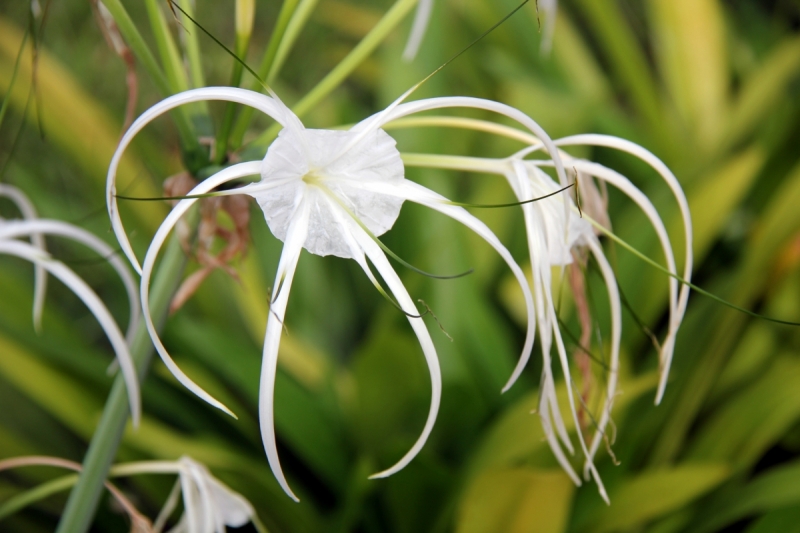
82 502
335 77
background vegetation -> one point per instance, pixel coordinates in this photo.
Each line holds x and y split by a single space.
711 87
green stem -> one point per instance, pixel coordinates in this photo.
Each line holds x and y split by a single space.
335 77
29 497
192 151
265 69
242 44
82 503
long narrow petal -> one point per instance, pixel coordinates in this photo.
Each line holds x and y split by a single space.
418 106
616 333
562 356
261 102
295 238
384 268
40 274
648 157
223 176
540 270
421 195
95 305
624 184
548 405
13 229
421 19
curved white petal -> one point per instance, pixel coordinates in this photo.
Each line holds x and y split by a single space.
384 268
562 356
40 274
417 193
548 405
421 19
418 106
293 244
13 229
95 305
540 270
683 298
261 102
616 333
223 176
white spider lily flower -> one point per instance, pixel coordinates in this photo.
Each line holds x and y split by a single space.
555 227
35 229
209 506
331 192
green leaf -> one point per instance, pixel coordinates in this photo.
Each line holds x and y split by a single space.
654 494
516 500
741 431
690 48
775 489
786 520
763 90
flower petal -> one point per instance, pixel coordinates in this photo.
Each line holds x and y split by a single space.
645 155
95 305
384 268
263 103
616 333
293 244
223 176
13 229
417 193
421 19
40 275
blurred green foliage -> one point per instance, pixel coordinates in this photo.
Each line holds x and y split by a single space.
711 87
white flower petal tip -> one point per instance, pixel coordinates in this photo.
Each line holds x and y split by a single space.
421 19
35 229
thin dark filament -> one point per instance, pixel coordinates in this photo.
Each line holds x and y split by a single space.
511 204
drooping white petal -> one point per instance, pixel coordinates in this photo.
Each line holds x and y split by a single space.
261 102
540 270
95 305
288 171
417 193
39 274
428 104
648 157
223 176
295 238
421 19
616 333
13 229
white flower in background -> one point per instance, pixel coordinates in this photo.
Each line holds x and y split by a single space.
556 228
208 504
331 192
11 231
